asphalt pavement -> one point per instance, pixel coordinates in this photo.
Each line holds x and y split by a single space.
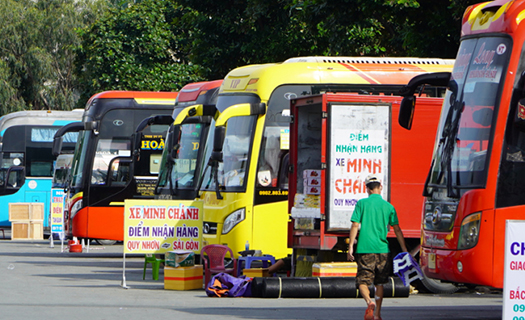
40 282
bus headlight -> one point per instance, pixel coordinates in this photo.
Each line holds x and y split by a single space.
232 220
469 232
75 208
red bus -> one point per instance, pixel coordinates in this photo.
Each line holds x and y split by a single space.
477 174
182 158
103 173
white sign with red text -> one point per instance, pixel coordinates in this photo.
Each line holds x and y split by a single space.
359 146
514 273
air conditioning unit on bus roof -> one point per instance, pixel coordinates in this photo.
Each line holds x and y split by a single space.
371 60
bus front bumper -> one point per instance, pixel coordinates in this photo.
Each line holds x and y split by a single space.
460 266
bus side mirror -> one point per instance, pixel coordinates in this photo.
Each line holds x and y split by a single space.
91 125
57 146
137 145
406 112
172 142
218 141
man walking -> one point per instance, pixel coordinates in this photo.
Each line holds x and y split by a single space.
372 253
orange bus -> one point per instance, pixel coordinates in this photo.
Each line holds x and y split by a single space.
103 174
477 173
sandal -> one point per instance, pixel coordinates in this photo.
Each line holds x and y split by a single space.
369 313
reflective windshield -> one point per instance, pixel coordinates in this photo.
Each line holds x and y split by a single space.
464 135
107 149
236 148
79 158
182 170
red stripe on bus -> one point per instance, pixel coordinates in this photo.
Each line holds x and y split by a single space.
360 73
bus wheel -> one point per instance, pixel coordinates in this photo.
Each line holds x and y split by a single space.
106 242
436 286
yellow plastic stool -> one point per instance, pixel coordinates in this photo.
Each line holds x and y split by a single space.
155 266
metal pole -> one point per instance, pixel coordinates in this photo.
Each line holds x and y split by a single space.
123 284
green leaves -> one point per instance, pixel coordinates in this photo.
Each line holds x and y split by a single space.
57 53
132 48
35 50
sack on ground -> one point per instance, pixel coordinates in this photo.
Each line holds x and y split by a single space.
226 285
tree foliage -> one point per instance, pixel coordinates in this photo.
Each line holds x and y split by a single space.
231 33
36 67
54 51
132 49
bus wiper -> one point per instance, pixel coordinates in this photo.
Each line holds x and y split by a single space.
447 144
450 144
215 174
173 192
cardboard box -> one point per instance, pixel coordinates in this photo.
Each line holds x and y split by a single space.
177 259
183 278
334 269
313 182
310 173
26 211
308 190
256 272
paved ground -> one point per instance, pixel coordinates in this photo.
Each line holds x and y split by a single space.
39 282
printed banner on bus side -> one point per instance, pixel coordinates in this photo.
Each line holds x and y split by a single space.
158 226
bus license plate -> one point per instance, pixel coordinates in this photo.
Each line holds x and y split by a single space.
432 261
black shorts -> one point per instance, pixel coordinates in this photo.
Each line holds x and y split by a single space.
373 268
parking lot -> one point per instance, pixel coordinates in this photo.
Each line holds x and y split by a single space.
39 282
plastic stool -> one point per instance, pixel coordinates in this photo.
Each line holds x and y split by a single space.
248 262
405 266
155 266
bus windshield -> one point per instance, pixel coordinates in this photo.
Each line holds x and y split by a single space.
79 158
181 172
236 148
465 130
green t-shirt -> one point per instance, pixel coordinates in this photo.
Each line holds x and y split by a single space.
375 215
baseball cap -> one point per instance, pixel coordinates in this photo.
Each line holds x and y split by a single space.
372 178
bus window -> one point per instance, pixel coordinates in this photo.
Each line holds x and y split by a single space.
283 173
119 171
270 158
16 178
276 134
12 159
236 151
154 163
77 163
107 149
40 169
511 180
43 134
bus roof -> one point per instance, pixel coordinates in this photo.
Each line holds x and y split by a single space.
144 96
40 117
494 16
262 79
191 91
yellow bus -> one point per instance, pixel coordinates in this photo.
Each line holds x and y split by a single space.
244 185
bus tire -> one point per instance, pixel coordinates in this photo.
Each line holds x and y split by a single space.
106 242
436 286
